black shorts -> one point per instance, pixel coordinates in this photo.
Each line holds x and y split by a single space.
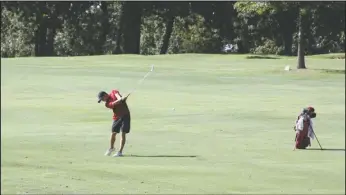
122 123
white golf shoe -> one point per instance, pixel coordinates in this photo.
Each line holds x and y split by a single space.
109 151
118 154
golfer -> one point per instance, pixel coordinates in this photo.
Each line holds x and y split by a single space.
121 118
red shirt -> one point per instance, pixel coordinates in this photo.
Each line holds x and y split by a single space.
120 109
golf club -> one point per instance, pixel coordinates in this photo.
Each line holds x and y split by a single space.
140 81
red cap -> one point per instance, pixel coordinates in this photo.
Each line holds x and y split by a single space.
311 109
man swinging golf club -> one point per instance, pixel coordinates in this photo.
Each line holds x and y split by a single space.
304 128
121 118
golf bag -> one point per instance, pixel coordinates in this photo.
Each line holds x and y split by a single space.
303 128
302 140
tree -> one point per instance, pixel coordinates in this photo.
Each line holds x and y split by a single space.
130 27
265 8
169 11
104 28
218 19
89 28
303 26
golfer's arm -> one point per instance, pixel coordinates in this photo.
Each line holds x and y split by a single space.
119 99
116 102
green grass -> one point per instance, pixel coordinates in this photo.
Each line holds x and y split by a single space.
234 114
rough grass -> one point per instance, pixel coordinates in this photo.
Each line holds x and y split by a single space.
231 131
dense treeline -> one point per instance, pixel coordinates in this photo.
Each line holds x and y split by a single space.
129 27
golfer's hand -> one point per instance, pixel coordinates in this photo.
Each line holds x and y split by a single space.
125 98
127 95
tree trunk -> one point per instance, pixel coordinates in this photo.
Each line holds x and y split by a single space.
243 45
225 16
167 36
41 38
132 27
42 29
119 35
36 49
118 42
301 40
53 24
50 42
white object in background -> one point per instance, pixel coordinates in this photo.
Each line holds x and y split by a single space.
287 68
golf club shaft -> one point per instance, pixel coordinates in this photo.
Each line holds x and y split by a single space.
317 140
145 76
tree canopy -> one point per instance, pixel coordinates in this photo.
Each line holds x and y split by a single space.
165 27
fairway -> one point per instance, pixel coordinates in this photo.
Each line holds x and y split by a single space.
231 129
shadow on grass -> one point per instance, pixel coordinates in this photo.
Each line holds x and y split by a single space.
328 149
332 71
163 156
261 57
